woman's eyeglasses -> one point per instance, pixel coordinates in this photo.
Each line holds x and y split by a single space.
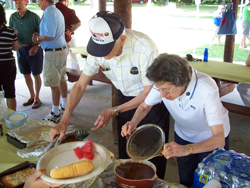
164 90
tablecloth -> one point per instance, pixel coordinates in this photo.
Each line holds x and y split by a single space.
79 50
223 70
9 158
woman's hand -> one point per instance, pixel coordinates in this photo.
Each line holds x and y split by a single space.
173 149
34 181
128 128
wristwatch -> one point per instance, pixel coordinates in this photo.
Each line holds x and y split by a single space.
116 110
38 39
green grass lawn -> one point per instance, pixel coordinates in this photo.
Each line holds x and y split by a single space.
217 52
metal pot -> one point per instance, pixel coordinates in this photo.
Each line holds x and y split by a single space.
131 182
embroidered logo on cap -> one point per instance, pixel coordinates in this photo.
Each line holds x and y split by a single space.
100 30
96 36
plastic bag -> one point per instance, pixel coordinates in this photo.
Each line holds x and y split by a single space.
228 23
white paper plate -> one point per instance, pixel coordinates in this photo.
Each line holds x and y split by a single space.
63 155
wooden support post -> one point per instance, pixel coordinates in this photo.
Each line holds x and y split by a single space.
124 10
230 39
102 5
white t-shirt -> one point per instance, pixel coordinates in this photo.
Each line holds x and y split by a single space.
138 52
198 108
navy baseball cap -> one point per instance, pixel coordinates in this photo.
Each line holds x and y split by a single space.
105 27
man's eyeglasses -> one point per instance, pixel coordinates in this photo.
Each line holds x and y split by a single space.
164 91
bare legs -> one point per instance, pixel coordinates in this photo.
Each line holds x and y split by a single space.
64 89
212 41
38 84
57 91
11 103
219 41
55 95
29 83
243 41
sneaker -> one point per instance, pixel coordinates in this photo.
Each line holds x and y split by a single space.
52 117
61 109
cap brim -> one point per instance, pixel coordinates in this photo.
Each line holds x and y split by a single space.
98 50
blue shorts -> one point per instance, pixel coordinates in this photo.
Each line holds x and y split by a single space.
30 64
7 78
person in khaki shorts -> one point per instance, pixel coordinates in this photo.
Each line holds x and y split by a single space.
52 40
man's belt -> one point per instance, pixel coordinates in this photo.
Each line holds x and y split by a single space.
55 49
26 45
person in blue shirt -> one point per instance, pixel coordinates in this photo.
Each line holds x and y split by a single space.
52 39
217 18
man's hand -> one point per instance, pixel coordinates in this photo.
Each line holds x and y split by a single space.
104 118
33 50
60 129
128 128
68 32
34 37
34 181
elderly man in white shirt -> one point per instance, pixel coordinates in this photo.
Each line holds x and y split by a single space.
192 98
124 56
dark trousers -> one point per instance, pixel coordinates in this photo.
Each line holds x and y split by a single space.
188 164
158 115
8 77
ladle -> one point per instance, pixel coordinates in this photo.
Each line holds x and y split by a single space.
82 134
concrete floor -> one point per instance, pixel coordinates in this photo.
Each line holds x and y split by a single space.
98 98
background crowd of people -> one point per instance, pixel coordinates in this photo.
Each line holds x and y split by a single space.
53 34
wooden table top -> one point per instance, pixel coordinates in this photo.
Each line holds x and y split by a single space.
223 70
